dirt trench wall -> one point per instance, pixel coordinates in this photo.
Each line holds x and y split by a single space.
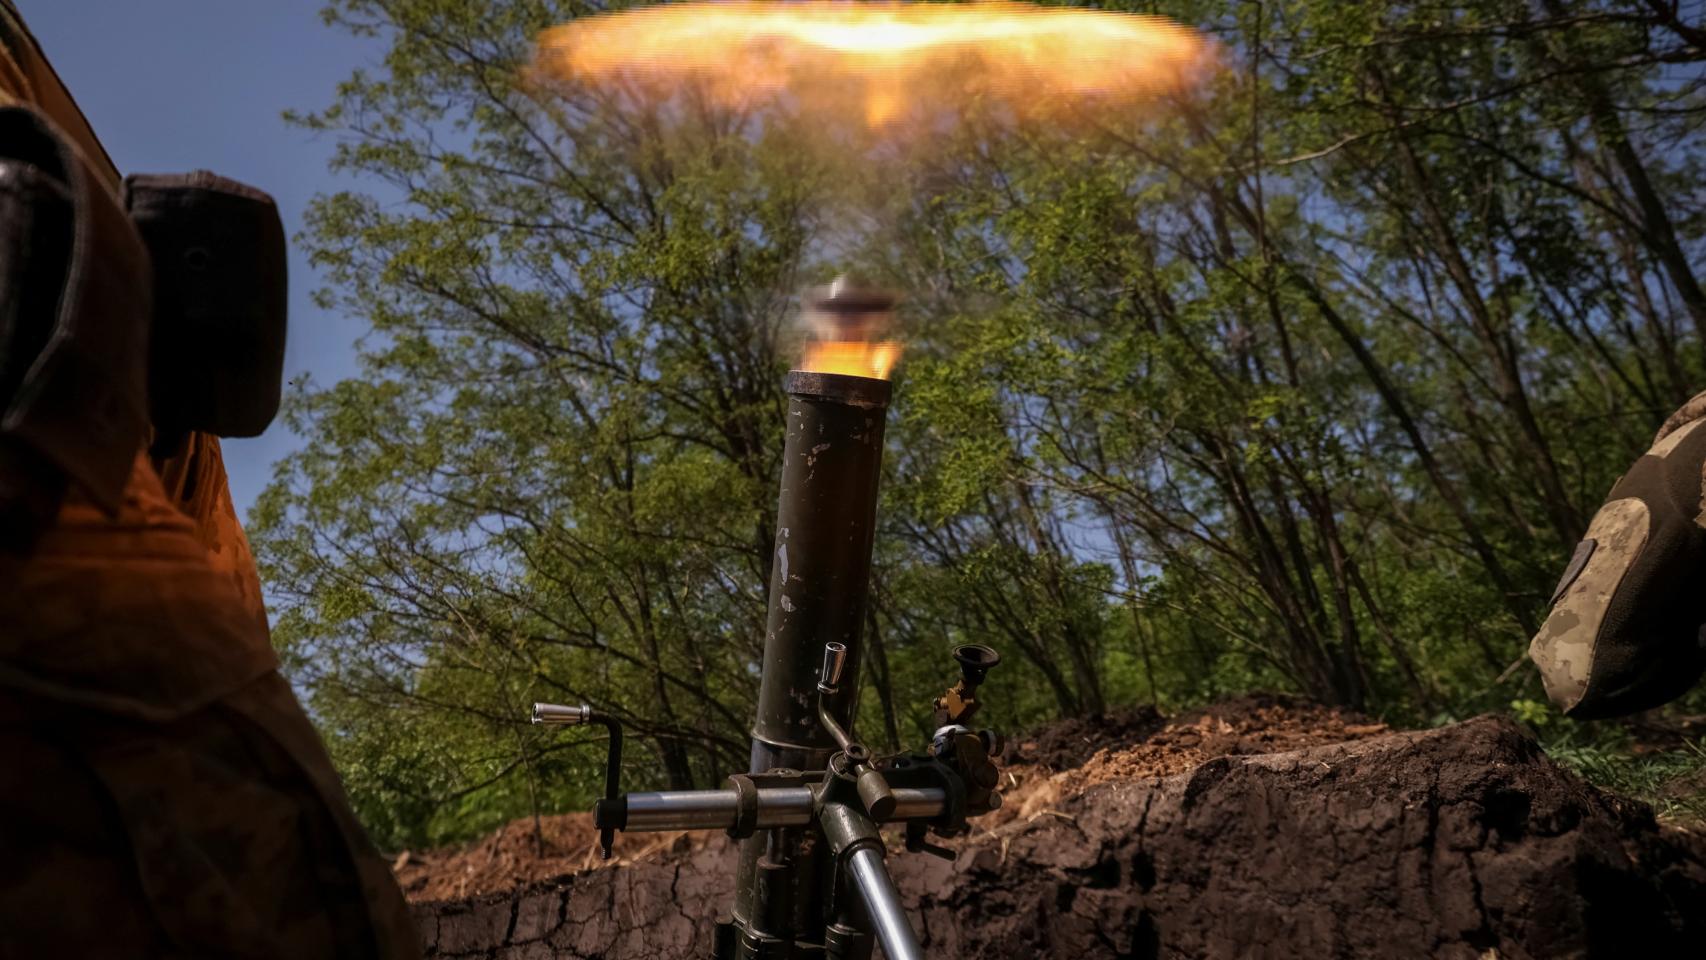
632 911
1446 843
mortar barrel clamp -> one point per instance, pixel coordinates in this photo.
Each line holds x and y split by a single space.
746 807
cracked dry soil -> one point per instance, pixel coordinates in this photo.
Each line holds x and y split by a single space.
1260 828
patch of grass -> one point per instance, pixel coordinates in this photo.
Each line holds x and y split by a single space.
1672 781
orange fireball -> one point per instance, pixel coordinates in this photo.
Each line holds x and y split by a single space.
892 70
882 60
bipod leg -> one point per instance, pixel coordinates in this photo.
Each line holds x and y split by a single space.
859 852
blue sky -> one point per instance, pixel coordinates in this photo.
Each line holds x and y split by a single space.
177 85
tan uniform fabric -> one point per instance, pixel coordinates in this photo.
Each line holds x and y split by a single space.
194 475
194 480
162 793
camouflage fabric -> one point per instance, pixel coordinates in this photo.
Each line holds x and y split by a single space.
1625 630
1686 414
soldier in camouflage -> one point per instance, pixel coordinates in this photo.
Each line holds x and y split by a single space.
1626 628
162 793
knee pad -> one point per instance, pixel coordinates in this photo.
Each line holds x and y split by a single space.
1624 632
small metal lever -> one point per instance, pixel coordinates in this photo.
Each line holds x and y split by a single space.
834 661
874 789
608 813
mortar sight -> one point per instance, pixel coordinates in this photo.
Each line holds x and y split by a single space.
975 660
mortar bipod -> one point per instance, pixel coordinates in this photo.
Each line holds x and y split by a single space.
935 791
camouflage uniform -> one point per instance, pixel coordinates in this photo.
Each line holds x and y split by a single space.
1625 631
162 793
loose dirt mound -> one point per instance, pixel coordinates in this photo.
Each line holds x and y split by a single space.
1068 743
1465 841
518 854
1069 758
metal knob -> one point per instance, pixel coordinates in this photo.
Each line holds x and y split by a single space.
875 793
558 715
834 661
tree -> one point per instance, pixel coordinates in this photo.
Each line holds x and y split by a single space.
1310 379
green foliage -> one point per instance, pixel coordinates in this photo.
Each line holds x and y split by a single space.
1672 781
1310 381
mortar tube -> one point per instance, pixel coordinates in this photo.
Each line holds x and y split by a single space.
820 577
